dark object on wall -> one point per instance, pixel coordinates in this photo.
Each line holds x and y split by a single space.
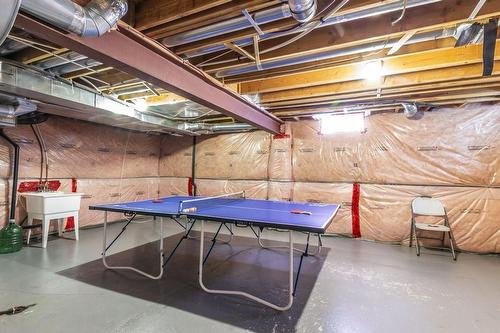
11 237
490 37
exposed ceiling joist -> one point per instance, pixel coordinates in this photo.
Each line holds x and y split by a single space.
223 12
149 62
466 74
422 61
150 13
432 16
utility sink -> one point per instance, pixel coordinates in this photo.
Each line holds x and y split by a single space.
47 206
52 202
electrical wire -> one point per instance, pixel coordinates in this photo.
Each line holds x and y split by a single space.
403 12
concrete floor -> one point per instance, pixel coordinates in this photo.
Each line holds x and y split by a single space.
361 287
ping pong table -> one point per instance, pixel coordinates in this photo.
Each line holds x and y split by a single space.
228 210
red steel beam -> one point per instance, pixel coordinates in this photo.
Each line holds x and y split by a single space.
131 52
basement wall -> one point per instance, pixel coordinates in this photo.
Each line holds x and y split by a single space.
107 163
451 154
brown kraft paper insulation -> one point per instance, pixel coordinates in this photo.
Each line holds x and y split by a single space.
329 193
473 213
447 146
253 189
234 156
176 156
280 159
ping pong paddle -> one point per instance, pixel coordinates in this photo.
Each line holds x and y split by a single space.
300 211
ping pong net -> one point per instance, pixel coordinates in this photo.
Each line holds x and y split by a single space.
194 205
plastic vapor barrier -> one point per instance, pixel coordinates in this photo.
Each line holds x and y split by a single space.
234 156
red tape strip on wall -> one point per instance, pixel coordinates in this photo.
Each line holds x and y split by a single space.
70 223
190 186
356 230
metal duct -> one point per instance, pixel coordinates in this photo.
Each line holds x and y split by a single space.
93 20
203 128
62 98
384 8
9 13
12 107
370 47
236 24
410 110
303 10
11 46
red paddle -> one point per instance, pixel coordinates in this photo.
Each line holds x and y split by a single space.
300 211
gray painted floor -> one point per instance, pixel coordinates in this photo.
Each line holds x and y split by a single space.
361 287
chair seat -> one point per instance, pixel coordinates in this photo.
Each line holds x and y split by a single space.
432 227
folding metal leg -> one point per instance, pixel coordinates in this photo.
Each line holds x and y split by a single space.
214 239
304 254
105 247
242 293
452 239
316 252
416 239
411 231
185 236
230 229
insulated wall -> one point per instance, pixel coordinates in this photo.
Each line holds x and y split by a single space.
452 154
105 163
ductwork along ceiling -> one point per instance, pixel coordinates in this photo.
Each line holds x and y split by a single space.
240 45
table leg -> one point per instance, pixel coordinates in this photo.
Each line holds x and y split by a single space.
242 293
105 247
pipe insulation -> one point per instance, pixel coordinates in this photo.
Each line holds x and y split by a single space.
93 20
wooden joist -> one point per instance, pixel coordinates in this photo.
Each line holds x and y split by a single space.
423 61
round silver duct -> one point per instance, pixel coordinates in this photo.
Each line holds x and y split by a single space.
410 110
9 13
93 20
303 10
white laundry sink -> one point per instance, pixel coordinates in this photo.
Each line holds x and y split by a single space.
47 206
52 202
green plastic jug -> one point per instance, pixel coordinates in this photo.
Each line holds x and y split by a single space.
11 238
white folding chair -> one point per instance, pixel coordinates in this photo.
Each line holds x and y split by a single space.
428 206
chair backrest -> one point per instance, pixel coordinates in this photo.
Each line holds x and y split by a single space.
427 206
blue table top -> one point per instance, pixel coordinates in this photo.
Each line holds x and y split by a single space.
264 213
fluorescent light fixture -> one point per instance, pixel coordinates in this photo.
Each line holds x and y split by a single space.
341 123
372 71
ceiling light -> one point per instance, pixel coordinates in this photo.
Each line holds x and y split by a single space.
372 71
